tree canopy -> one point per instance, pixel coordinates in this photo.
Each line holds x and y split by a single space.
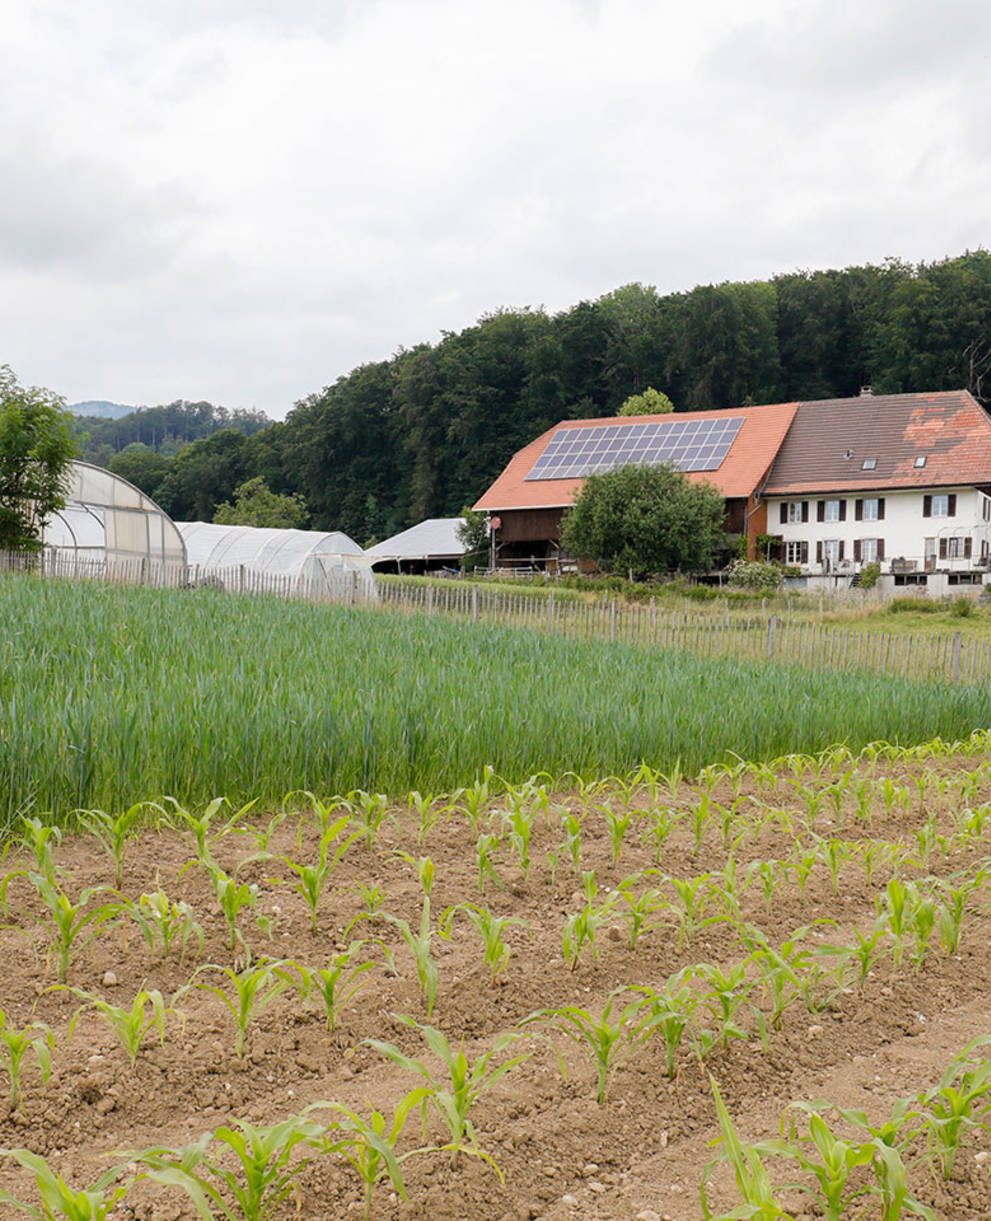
645 520
36 450
651 402
255 504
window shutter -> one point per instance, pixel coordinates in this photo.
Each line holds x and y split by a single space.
805 510
856 549
927 506
968 547
952 506
880 548
784 512
858 510
820 510
819 552
880 509
842 510
942 548
984 549
805 552
840 555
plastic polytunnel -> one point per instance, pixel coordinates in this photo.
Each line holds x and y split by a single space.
109 522
311 563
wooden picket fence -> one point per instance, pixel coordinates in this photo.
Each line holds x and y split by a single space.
764 637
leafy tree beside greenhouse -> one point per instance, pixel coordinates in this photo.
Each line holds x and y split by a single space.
36 451
644 520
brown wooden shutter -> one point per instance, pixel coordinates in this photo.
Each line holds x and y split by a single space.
819 552
820 510
880 509
952 505
805 553
805 510
880 548
856 548
942 548
840 556
927 506
858 510
784 512
842 510
968 547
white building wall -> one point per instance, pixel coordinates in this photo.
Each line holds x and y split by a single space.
904 531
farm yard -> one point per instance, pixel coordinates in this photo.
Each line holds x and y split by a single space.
757 936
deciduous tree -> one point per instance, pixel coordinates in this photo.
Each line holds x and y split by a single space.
36 450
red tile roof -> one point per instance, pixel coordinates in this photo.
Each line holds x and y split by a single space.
830 439
740 473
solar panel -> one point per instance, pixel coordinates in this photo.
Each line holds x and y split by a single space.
687 445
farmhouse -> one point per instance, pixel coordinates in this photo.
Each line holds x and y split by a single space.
826 486
903 480
732 449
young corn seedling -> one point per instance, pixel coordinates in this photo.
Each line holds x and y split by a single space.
571 845
115 832
39 839
835 853
322 812
475 798
693 894
262 836
833 1163
888 1141
520 824
429 811
660 823
454 1090
58 1199
952 909
727 994
608 1039
868 952
698 816
16 1045
253 1173
131 1026
72 926
333 985
199 825
958 1104
581 928
419 942
641 908
617 824
311 879
802 865
491 928
166 922
369 811
486 846
759 1196
671 1011
372 899
369 1147
234 897
244 993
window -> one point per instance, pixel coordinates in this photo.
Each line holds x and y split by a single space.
867 550
796 553
871 508
921 460
869 464
829 551
986 508
832 510
794 511
940 505
955 548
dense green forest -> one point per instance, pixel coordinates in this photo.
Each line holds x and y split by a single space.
424 433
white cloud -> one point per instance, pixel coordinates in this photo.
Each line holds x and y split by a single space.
241 201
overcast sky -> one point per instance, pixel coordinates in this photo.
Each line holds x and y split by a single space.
241 200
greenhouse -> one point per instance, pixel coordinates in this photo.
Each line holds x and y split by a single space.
108 522
309 563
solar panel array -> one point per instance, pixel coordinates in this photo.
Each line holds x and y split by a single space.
687 445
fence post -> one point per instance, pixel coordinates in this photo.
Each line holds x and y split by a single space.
772 635
549 612
430 600
612 619
956 652
474 603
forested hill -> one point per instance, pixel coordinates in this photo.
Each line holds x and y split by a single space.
424 433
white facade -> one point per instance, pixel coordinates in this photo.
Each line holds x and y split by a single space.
922 531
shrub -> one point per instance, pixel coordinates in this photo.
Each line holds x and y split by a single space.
755 574
869 574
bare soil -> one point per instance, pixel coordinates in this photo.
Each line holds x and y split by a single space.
561 1155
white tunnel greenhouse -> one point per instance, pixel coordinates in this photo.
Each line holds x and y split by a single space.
108 520
310 563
